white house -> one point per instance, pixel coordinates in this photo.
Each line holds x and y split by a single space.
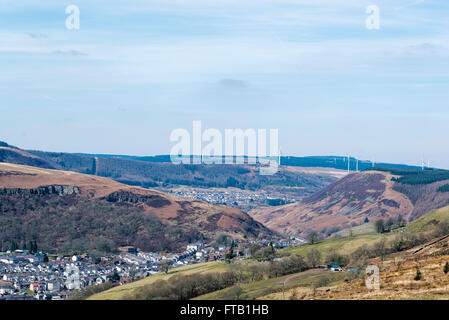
53 286
9 260
195 246
6 288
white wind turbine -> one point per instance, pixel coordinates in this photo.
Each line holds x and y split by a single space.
279 156
356 158
349 161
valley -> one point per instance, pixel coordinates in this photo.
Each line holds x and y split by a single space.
309 232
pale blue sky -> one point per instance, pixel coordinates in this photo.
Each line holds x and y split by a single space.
136 70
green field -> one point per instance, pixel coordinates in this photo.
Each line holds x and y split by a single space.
429 220
357 230
257 289
119 293
341 245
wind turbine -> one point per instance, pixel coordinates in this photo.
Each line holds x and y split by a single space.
356 158
349 161
279 156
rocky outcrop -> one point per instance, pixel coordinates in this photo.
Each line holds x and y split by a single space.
45 190
154 201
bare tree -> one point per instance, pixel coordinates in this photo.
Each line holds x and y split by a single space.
312 237
380 226
165 265
313 257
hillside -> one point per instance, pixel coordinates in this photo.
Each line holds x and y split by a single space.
398 278
248 290
358 198
334 162
344 245
259 289
429 220
289 184
122 292
11 154
145 173
69 211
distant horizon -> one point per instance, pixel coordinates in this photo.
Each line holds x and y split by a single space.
283 156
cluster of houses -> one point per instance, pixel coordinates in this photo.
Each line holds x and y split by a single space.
232 197
24 276
194 253
36 276
293 241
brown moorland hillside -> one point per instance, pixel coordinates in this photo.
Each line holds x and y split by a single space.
37 196
351 200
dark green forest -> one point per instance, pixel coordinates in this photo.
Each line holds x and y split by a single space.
443 188
417 176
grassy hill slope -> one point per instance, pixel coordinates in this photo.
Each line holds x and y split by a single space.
398 280
258 289
121 292
429 220
344 245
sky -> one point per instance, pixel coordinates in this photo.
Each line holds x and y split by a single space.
136 70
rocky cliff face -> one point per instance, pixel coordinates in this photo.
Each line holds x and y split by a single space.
44 190
154 201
